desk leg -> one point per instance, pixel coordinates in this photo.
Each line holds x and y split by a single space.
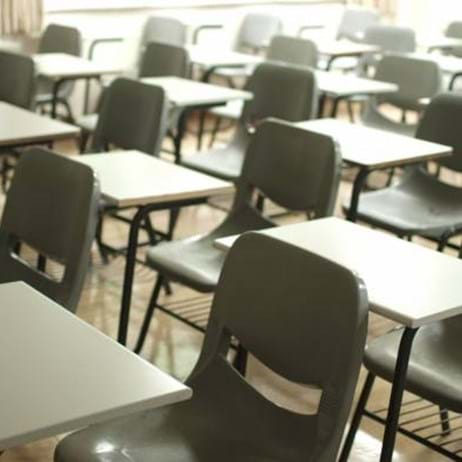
180 131
358 185
397 391
54 100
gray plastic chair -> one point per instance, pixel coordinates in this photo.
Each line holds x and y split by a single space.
133 116
160 29
159 60
17 79
454 30
58 39
417 79
269 101
354 23
55 213
421 204
286 292
297 169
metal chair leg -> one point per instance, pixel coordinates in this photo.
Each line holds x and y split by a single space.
149 313
215 130
445 425
356 421
240 360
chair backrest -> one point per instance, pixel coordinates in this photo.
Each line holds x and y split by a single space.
255 31
454 30
416 78
391 38
355 21
293 50
441 124
162 29
52 207
160 60
295 168
61 39
302 316
133 115
17 79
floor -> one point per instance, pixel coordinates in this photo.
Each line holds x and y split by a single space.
174 347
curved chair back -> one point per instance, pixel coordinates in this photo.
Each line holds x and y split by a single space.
317 311
133 116
416 78
295 168
17 79
51 206
293 50
61 39
454 30
160 59
354 23
441 124
255 31
391 38
165 30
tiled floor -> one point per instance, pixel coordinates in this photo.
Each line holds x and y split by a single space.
174 347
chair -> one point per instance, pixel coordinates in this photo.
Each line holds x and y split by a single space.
286 292
169 31
54 213
133 116
159 60
17 79
297 169
354 23
268 101
454 30
417 79
422 204
58 39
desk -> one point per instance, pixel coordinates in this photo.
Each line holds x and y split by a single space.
439 43
407 283
19 128
339 86
187 95
60 374
372 149
343 49
61 67
130 179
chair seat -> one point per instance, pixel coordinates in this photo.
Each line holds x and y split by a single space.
232 110
435 367
225 163
208 428
374 119
87 122
420 204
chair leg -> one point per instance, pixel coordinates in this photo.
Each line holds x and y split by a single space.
356 421
260 203
174 214
84 137
149 313
70 114
99 239
351 113
445 425
240 361
215 130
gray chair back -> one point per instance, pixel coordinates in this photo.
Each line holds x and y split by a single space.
52 207
391 38
255 31
454 30
293 50
355 21
416 78
133 116
61 39
165 30
160 59
295 168
17 79
441 124
317 311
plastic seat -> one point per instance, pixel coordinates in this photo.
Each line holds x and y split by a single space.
58 39
297 169
159 60
133 116
268 101
417 79
17 79
421 204
52 207
162 29
289 292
